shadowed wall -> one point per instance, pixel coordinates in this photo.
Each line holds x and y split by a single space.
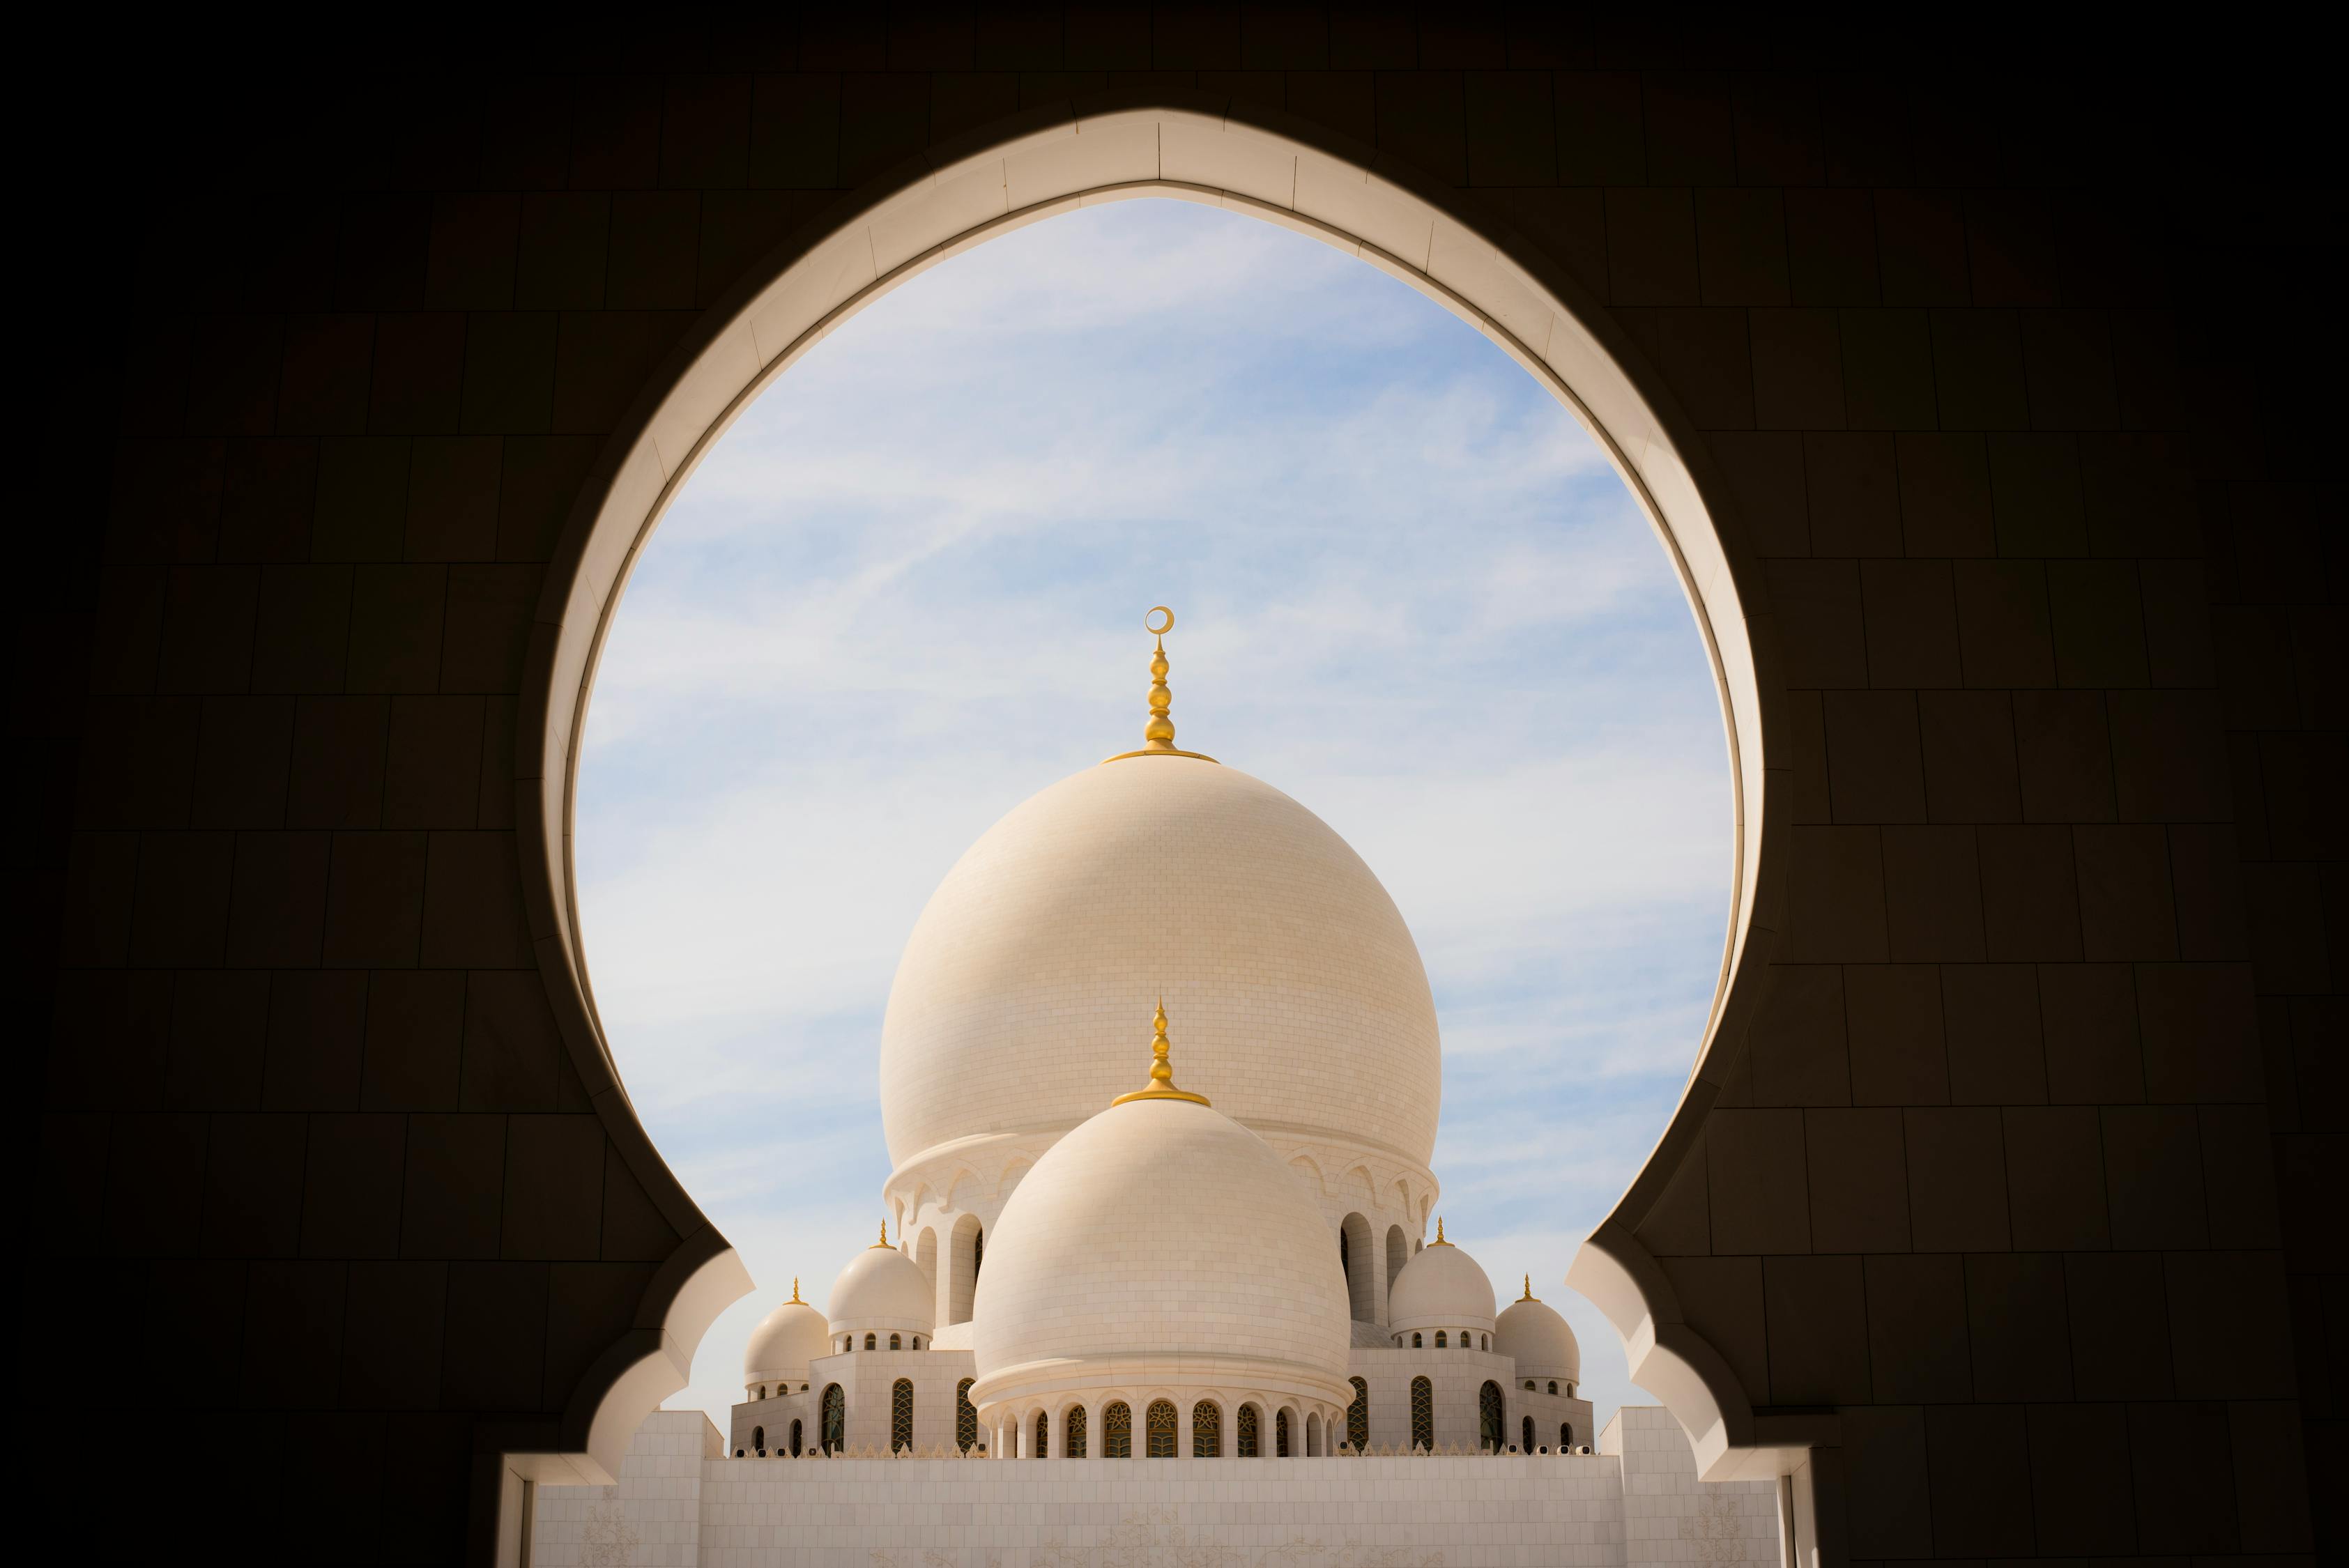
2030 445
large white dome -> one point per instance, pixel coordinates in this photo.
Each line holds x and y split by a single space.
1442 1287
882 1289
1162 1242
1305 1010
785 1341
1531 1333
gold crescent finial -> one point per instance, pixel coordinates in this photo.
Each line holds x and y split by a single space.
1158 735
1439 1241
795 1291
884 1235
1529 1295
1161 1072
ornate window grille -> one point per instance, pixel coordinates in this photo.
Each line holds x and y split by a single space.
1250 1445
1281 1435
1423 1414
1043 1435
1158 1431
1117 1431
1207 1431
1488 1417
835 1420
901 1414
1074 1447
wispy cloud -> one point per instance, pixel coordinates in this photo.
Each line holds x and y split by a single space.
902 595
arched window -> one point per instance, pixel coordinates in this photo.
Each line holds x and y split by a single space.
1529 1385
1313 1449
1415 1340
918 1342
870 1343
978 1254
1529 1434
1440 1343
965 1417
1423 1414
1206 1430
1281 1435
1117 1431
1358 1416
758 1440
901 1414
835 1420
1158 1431
1488 1416
1484 1342
1043 1436
1074 1446
894 1343
1345 1256
795 1440
1564 1436
1552 1385
1250 1445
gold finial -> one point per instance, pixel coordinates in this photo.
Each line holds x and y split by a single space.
1158 735
884 1235
795 1292
1439 1241
1161 1072
1529 1295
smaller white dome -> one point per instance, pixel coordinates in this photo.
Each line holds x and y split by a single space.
785 1341
1441 1287
882 1289
1533 1335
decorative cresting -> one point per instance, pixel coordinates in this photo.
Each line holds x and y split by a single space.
1161 1070
1358 1416
1158 735
1206 1430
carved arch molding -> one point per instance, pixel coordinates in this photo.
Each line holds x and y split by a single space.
1261 162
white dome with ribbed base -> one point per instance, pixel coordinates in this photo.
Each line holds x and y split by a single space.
785 1341
1531 1333
1303 1000
882 1290
1160 1245
1440 1288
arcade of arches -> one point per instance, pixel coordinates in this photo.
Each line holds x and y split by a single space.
1991 1219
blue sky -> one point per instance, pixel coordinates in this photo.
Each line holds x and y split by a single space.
904 593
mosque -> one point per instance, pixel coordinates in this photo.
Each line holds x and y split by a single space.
1215 1246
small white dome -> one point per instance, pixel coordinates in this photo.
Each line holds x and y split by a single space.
882 1289
1161 1244
1441 1287
785 1341
1533 1335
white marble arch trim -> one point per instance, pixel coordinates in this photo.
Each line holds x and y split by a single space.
1045 162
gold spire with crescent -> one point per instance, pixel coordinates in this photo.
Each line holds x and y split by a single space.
1158 735
884 1242
1439 1241
1161 1072
795 1292
1529 1295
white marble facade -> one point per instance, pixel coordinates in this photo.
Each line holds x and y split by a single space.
682 1504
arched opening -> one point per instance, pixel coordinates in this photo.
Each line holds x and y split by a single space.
1206 1430
925 1258
1159 1429
871 1341
967 1245
1043 1435
901 1414
1398 1254
1440 1340
1073 1443
1358 1416
759 1440
1248 1433
1415 1343
1280 1434
1564 1436
895 1342
1529 1434
795 1440
1423 1414
1552 1385
834 1414
1117 1431
1356 1253
965 1417
1514 293
1489 1415
1313 1435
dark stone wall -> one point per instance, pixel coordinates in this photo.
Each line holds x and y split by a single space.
2019 361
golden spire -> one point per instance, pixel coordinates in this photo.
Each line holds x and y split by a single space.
1158 735
1161 1072
1529 1295
884 1235
1439 1241
795 1292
